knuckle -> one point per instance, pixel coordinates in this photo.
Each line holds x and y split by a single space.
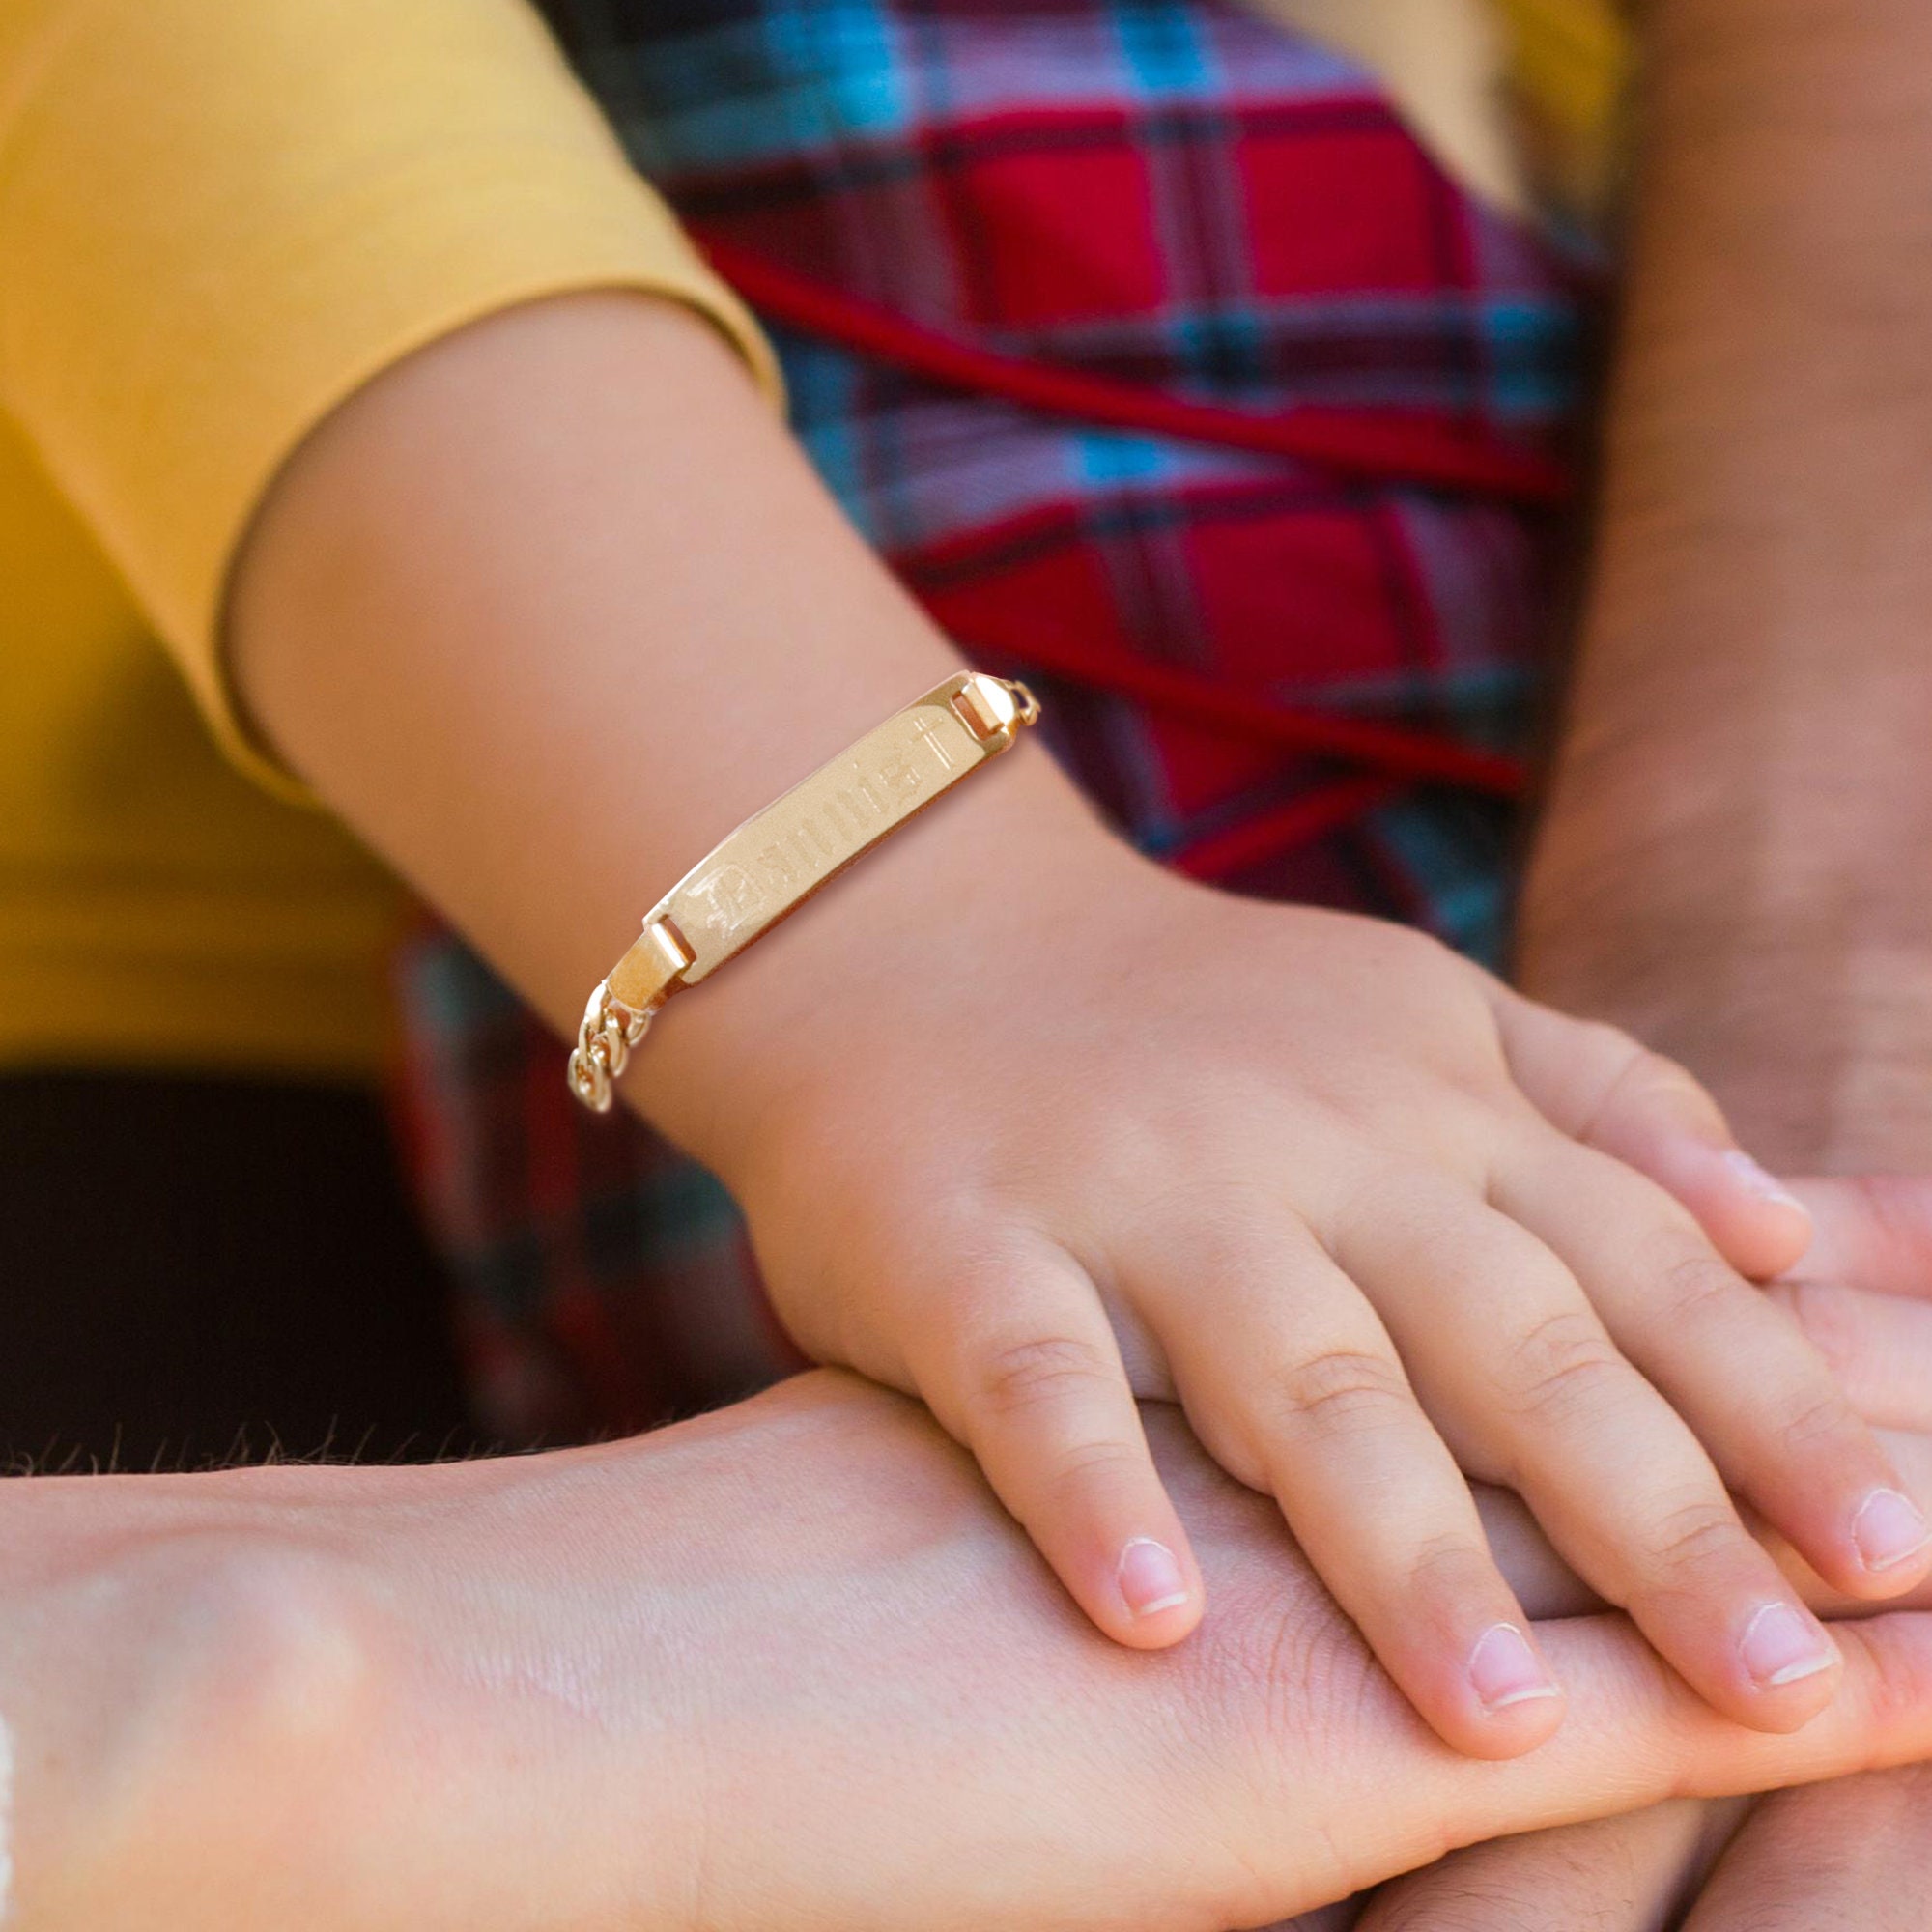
1446 1565
1626 1078
1693 1536
1646 1074
1817 1418
1799 1400
1699 1286
1655 1072
1561 1365
1608 1045
1342 1391
1607 1061
1042 1372
1891 1686
1102 1462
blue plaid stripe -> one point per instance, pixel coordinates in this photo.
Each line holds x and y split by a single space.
914 467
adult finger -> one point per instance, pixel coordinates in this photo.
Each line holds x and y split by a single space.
1854 1853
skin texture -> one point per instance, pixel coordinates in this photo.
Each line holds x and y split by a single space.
1023 1126
1860 1845
1842 1855
791 1665
1733 854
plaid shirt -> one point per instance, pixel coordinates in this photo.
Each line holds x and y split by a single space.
1167 202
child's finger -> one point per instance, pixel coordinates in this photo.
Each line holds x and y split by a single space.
1296 1389
1514 1363
1549 1588
1600 1087
1760 1398
1031 1382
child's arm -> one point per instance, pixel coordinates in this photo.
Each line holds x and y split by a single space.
550 607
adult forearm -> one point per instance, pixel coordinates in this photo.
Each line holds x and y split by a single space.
1733 859
603 1687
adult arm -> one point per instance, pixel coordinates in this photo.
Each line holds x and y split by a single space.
1733 859
787 1665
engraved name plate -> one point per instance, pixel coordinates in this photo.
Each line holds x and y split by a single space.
775 862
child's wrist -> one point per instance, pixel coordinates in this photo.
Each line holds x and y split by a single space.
916 929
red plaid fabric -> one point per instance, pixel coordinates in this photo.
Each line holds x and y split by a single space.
1157 358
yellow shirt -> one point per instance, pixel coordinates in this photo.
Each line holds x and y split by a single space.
217 217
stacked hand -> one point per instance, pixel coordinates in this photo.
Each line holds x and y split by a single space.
1373 1219
788 1667
1854 1852
1028 1128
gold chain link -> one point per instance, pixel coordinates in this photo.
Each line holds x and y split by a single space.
604 1041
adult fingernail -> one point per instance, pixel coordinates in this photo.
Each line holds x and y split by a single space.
1755 1180
1149 1577
1781 1644
1888 1530
1504 1670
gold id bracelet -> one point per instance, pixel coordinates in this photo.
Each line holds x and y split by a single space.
775 862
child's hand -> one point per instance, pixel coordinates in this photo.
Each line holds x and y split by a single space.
1010 1106
1368 1215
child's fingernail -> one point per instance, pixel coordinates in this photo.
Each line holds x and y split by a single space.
1781 1644
1149 1577
1504 1670
1889 1529
1755 1180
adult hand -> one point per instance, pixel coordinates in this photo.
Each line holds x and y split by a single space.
1853 1852
790 1667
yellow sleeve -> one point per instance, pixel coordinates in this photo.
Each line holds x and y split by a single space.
219 218
1571 61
